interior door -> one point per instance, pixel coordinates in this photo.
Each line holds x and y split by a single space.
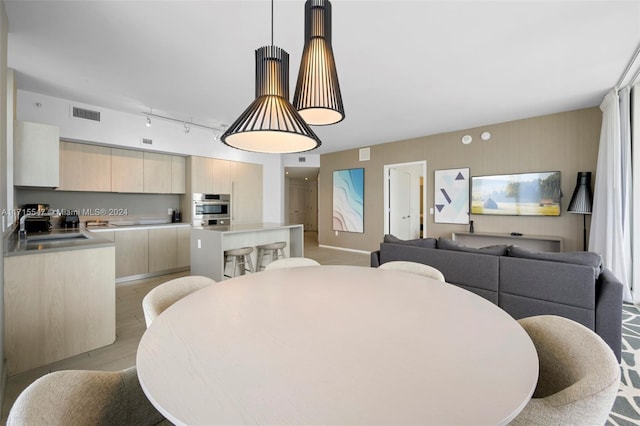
296 204
400 203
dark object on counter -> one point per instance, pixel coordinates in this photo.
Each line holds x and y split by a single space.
176 216
34 224
516 234
471 227
33 210
70 221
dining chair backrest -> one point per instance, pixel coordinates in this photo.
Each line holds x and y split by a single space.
414 268
291 262
579 375
82 397
166 294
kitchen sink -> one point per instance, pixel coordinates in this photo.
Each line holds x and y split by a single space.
61 236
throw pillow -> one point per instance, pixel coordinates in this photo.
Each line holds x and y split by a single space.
447 244
586 258
419 242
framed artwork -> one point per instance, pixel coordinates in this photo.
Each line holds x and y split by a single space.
520 194
451 196
348 200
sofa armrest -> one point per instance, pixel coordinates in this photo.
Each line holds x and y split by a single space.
609 310
375 259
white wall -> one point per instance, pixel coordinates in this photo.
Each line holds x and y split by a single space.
127 130
6 111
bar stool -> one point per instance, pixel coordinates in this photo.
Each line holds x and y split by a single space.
275 250
240 257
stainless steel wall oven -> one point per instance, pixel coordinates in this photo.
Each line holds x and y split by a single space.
211 209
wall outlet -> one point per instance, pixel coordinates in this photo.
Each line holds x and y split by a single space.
431 210
199 243
170 212
336 233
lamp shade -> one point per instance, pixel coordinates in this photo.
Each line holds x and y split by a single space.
317 96
270 124
582 198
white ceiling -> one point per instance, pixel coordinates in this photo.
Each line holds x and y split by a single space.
406 68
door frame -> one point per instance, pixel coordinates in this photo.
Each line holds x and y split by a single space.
385 206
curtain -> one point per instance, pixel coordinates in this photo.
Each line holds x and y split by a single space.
610 230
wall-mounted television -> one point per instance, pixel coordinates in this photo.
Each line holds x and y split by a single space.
521 194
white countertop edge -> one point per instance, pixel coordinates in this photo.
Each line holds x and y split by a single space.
116 228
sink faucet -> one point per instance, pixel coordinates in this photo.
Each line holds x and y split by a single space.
22 233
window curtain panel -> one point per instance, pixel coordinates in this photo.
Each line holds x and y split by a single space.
610 222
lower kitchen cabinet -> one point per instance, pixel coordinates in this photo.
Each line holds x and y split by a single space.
163 249
150 251
57 305
184 247
132 252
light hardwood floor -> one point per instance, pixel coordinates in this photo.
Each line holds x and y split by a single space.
130 323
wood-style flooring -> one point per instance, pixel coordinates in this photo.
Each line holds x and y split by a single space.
130 323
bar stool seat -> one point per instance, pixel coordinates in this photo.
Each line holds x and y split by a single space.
274 250
241 259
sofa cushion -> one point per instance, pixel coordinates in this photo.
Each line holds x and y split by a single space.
447 244
557 282
420 242
585 258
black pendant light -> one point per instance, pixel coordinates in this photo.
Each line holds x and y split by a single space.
271 124
317 96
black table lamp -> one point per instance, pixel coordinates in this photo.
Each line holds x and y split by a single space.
581 201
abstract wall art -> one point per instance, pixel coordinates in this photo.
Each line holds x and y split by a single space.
348 200
451 196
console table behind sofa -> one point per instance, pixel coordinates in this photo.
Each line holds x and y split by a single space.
531 242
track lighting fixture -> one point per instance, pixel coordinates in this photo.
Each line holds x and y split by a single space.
187 129
148 121
187 125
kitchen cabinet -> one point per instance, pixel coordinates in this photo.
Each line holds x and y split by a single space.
163 249
220 172
84 167
36 153
184 246
57 305
126 170
157 173
246 193
132 252
178 174
209 175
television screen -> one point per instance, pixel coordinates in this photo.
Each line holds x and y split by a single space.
523 194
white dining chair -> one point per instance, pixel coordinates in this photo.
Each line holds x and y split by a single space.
414 268
84 397
166 294
291 262
579 374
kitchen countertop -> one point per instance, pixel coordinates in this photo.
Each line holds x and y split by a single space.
245 227
135 226
57 240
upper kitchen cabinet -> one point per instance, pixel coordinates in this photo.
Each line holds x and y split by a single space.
157 173
126 170
209 175
84 167
36 150
178 174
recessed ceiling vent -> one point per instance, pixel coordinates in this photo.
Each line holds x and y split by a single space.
146 141
85 114
302 159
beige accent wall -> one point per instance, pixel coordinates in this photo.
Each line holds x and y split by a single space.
565 141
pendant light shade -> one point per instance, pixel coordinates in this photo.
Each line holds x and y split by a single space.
271 124
317 96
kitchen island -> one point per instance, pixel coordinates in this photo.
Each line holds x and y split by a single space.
209 243
59 297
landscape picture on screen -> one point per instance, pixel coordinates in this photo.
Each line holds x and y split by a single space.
522 194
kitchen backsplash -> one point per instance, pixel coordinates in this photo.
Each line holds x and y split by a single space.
102 205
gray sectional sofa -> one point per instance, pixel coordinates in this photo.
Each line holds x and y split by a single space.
524 283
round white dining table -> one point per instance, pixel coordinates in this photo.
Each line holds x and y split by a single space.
336 345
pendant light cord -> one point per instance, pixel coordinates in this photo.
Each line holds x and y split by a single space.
271 22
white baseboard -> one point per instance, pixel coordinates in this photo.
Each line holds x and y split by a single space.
345 249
